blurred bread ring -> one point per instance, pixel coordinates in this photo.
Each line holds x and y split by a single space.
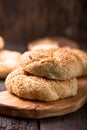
52 42
1 42
8 62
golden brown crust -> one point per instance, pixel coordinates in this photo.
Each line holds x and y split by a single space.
83 56
61 64
1 42
27 86
52 42
43 43
8 62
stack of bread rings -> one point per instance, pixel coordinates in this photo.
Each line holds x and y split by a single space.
48 74
8 60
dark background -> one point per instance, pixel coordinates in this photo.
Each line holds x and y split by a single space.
22 21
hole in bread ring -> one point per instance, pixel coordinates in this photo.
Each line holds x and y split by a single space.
8 62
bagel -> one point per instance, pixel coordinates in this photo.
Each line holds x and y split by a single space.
57 63
52 42
27 86
1 42
8 62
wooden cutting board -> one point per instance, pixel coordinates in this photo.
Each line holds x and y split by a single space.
14 106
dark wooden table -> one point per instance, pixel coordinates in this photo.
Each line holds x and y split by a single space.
73 121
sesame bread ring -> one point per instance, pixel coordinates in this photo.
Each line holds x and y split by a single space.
8 62
60 64
83 56
1 42
27 86
52 42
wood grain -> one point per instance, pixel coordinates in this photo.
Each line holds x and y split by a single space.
10 123
27 20
14 106
73 121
